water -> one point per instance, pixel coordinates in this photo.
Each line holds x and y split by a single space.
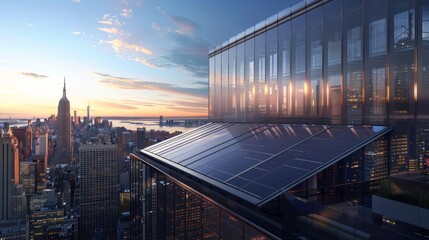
128 123
134 124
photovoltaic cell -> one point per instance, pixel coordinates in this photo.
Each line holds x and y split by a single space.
262 160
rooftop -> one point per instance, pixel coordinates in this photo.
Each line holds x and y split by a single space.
258 162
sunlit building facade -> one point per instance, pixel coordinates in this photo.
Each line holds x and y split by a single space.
310 109
339 62
64 147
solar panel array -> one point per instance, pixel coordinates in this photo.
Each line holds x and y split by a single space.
263 160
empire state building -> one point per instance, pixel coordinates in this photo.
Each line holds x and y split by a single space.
63 149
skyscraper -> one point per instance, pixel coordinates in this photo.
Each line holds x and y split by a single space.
9 167
141 135
312 107
63 151
87 114
98 185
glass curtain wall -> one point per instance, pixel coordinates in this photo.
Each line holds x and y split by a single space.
285 83
376 61
261 101
315 61
298 66
241 96
353 61
249 76
332 59
423 85
175 212
271 72
232 86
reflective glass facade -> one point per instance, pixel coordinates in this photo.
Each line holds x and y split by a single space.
172 210
331 62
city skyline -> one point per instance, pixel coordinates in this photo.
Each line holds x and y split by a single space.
136 58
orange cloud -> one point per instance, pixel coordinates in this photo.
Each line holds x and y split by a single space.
109 30
119 46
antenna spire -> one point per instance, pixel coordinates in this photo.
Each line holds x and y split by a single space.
64 89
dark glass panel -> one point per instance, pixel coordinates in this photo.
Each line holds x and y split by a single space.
314 61
249 73
241 100
217 105
231 227
211 87
284 54
169 209
298 65
180 212
161 198
210 221
271 72
261 88
224 89
193 216
353 62
232 96
375 61
402 58
332 59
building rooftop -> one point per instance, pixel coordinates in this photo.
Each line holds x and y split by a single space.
258 162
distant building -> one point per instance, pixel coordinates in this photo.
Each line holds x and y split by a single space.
98 189
141 136
28 177
13 230
25 141
64 148
88 116
9 167
46 223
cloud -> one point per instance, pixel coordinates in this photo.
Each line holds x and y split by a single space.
190 51
203 83
161 10
153 62
134 84
190 54
76 1
185 26
78 33
188 109
112 104
108 19
33 75
29 24
120 46
126 12
193 104
109 30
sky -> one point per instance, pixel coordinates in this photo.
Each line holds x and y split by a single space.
139 58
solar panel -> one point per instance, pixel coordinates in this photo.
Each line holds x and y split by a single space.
261 160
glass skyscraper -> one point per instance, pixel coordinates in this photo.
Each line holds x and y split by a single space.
310 109
336 62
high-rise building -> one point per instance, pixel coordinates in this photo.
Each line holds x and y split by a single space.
75 120
141 136
98 189
310 110
28 177
64 148
88 116
9 177
25 141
